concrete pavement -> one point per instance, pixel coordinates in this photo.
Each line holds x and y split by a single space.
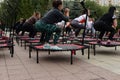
104 66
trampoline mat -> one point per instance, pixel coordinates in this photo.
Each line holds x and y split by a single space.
3 45
86 39
65 47
33 41
27 39
2 41
104 43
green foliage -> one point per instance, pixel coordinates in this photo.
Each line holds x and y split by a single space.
96 10
21 8
25 8
76 8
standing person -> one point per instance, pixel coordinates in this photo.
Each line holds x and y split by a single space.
47 24
107 23
89 26
67 26
79 22
29 25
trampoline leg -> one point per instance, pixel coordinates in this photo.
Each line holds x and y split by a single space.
71 57
74 52
48 52
18 41
115 47
94 50
82 51
12 52
37 57
30 50
89 53
21 43
25 45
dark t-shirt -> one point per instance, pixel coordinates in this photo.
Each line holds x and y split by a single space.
54 16
108 19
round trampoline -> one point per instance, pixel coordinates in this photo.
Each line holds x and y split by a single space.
64 47
104 43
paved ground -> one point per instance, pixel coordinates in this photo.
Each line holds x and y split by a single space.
104 66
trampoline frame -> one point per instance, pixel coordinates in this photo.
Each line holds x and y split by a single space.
73 51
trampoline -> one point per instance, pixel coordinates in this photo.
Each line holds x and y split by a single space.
117 38
30 41
3 41
24 38
85 39
18 38
104 43
6 42
10 46
65 47
36 41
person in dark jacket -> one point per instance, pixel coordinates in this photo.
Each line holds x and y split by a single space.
18 25
29 25
47 24
107 23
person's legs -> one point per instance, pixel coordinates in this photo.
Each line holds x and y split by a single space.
101 27
77 32
112 32
75 24
23 31
42 37
41 27
32 31
57 35
17 31
102 32
93 31
68 29
23 28
87 30
48 30
48 36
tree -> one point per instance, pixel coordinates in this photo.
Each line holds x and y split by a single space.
96 9
15 9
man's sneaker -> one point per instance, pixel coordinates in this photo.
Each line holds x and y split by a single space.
55 47
46 46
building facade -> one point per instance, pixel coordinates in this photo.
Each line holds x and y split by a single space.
103 2
108 2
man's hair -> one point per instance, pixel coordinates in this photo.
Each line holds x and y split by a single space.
36 13
111 10
56 3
